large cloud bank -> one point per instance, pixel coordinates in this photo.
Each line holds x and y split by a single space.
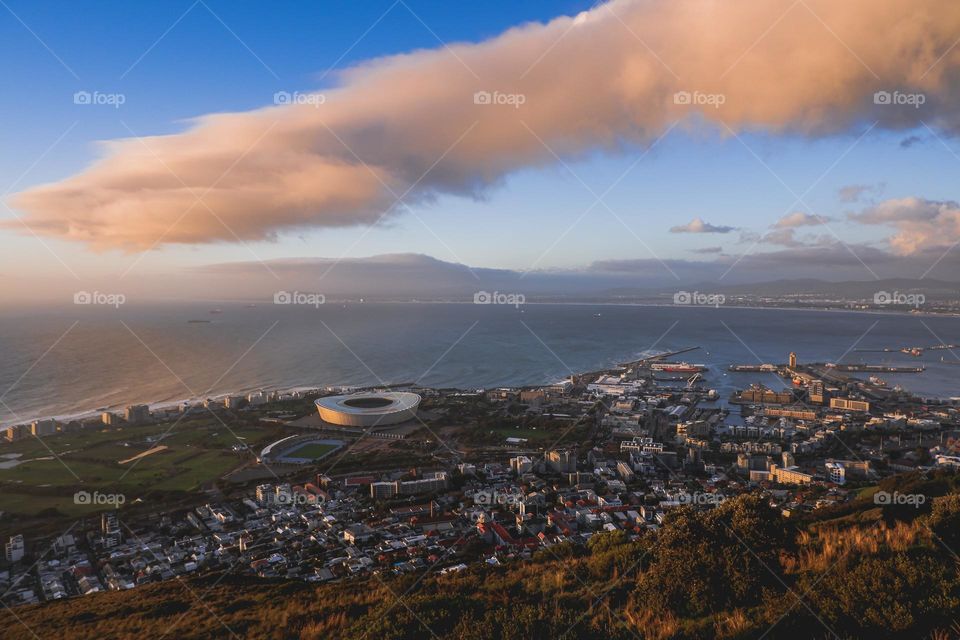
612 78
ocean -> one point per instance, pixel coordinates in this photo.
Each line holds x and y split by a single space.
65 363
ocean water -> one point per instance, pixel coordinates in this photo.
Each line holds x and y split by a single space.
58 363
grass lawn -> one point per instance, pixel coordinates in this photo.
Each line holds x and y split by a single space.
312 451
199 451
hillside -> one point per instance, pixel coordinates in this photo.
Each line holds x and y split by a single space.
738 571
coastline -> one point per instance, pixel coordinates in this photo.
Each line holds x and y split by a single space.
160 405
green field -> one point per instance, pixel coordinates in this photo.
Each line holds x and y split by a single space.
198 451
313 451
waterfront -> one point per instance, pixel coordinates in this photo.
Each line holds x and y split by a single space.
113 357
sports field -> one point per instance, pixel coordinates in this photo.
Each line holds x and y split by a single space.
311 451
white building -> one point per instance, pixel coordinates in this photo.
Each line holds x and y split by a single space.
15 549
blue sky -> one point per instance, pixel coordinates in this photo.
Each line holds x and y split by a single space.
173 61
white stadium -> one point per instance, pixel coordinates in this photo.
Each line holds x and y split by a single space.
369 409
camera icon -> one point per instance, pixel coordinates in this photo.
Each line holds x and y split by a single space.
882 297
82 297
682 97
482 497
282 297
82 497
882 97
482 297
282 97
82 97
882 497
482 97
682 297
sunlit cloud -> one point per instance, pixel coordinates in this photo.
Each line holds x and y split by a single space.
457 120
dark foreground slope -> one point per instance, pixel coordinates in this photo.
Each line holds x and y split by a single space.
739 571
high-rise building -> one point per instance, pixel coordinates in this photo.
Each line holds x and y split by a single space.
137 414
43 427
816 392
562 460
521 465
110 529
793 360
15 549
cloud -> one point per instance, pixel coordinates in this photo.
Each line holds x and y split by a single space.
606 80
784 237
922 225
697 225
799 219
853 192
709 250
909 141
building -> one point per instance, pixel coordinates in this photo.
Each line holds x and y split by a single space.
762 395
532 395
369 409
137 414
853 468
562 461
43 427
816 392
431 482
793 360
848 404
18 432
384 490
109 419
265 494
790 475
15 549
110 529
232 402
835 473
521 465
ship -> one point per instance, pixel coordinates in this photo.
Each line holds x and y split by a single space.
677 367
880 382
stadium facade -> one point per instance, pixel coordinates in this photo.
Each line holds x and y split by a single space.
378 409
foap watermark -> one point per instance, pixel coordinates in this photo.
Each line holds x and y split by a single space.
99 298
896 298
699 99
698 298
703 498
97 98
299 297
515 100
299 499
495 498
312 99
485 297
99 499
884 498
899 98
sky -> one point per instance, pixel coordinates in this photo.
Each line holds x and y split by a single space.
172 149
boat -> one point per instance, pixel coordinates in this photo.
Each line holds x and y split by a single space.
677 367
880 382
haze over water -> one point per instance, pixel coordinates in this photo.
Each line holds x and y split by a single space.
114 357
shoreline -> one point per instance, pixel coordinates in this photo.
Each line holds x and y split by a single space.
162 405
